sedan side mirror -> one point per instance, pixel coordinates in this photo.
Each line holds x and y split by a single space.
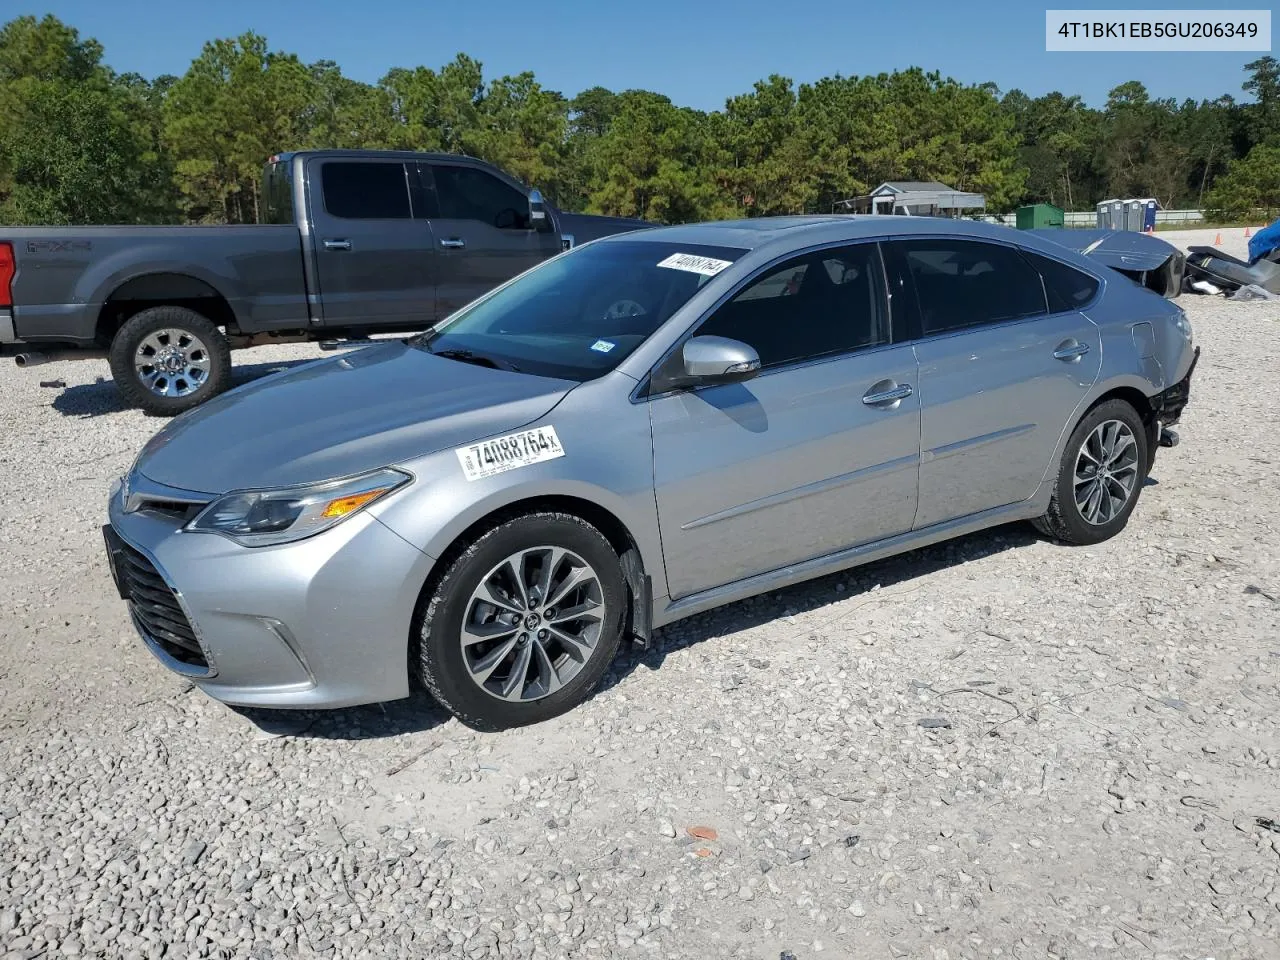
706 361
539 217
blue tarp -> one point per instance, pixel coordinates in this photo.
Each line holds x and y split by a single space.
1263 242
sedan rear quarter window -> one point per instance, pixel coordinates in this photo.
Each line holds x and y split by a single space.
1066 287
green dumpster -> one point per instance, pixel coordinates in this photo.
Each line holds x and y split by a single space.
1039 216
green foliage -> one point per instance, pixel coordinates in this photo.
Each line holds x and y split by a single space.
1264 84
650 163
47 49
81 144
1250 184
236 106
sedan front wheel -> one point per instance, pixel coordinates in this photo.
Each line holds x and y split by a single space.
524 622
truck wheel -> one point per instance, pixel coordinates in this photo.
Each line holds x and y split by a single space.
524 622
1100 478
169 359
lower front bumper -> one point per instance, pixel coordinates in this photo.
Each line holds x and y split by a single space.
320 623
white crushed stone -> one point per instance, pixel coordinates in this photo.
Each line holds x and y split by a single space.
1112 743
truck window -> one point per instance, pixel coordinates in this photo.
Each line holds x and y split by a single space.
365 191
466 193
277 192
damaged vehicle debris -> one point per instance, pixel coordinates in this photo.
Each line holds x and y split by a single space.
1145 259
1223 273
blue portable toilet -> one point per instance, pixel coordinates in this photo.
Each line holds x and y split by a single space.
1149 207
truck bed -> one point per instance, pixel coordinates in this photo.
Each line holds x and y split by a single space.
67 275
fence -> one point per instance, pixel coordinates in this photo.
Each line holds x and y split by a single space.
1087 219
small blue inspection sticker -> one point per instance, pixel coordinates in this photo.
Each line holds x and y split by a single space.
603 346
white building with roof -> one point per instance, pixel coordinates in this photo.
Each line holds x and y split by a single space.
916 198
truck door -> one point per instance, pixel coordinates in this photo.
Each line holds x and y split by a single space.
375 260
482 232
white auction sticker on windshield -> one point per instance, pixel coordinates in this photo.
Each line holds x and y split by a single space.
707 266
491 457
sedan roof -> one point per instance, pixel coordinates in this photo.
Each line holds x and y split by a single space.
757 232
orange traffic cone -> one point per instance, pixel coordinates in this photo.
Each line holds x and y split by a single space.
1247 233
1217 241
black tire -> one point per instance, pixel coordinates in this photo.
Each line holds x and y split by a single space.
1064 520
130 337
441 663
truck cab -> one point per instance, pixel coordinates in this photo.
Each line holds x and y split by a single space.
400 239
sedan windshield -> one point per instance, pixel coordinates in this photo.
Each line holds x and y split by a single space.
579 315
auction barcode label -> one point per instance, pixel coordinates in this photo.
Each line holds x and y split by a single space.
491 457
707 266
1156 30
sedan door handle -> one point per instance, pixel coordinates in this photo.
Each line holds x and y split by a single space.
1070 350
893 395
337 244
453 243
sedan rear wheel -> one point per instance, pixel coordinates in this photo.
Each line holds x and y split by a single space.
1101 475
1106 472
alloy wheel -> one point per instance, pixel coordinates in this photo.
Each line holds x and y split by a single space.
1106 472
532 623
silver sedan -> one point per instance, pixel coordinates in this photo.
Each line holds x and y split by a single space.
643 428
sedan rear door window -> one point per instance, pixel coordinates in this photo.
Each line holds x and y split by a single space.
967 283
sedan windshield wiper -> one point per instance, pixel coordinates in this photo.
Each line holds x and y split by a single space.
469 356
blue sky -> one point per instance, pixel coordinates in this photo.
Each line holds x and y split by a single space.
698 52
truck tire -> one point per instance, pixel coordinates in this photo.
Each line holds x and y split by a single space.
500 652
169 359
1100 478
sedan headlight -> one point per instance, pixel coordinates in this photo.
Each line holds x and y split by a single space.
259 518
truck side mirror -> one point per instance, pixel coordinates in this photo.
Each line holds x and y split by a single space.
539 218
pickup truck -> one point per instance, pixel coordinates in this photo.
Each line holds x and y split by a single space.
353 242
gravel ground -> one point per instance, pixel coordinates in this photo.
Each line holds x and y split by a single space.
998 747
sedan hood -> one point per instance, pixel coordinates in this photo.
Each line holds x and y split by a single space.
377 406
